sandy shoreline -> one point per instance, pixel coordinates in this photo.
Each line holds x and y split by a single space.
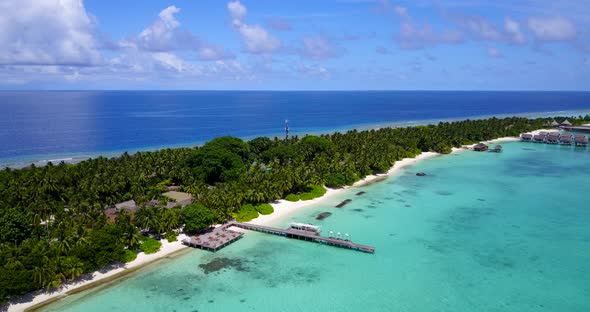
282 209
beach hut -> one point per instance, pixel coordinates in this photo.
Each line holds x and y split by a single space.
496 149
480 147
566 123
526 137
554 123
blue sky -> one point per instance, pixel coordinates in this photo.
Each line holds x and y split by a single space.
295 44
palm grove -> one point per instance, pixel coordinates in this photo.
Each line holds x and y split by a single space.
53 226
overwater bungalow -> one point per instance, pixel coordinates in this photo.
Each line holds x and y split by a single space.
580 140
552 138
565 139
496 149
526 137
480 147
540 137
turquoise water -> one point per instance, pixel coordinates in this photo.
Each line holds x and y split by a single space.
480 232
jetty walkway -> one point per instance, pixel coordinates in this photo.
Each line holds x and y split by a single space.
223 236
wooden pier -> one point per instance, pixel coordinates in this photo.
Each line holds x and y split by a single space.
304 235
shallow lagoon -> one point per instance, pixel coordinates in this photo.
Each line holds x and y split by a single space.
480 232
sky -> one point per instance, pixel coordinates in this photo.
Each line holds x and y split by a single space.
295 44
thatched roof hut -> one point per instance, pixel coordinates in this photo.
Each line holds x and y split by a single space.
554 123
526 136
480 147
566 123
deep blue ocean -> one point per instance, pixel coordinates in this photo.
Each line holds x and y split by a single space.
45 125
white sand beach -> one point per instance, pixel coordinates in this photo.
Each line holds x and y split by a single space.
282 209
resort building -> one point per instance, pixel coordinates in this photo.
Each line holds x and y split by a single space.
480 147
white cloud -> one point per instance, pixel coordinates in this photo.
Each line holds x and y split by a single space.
255 38
160 35
513 31
413 36
47 32
169 61
237 10
314 70
480 27
552 29
212 53
318 48
165 35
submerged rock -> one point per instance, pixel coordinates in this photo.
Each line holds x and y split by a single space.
421 174
343 203
323 215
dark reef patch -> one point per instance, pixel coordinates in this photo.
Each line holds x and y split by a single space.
343 203
357 210
323 215
219 264
444 193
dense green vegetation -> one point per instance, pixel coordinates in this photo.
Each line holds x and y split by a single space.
246 213
310 192
149 245
128 256
264 209
53 226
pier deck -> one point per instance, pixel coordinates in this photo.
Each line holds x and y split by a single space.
304 235
215 239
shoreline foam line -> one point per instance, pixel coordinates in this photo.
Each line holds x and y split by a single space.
282 209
